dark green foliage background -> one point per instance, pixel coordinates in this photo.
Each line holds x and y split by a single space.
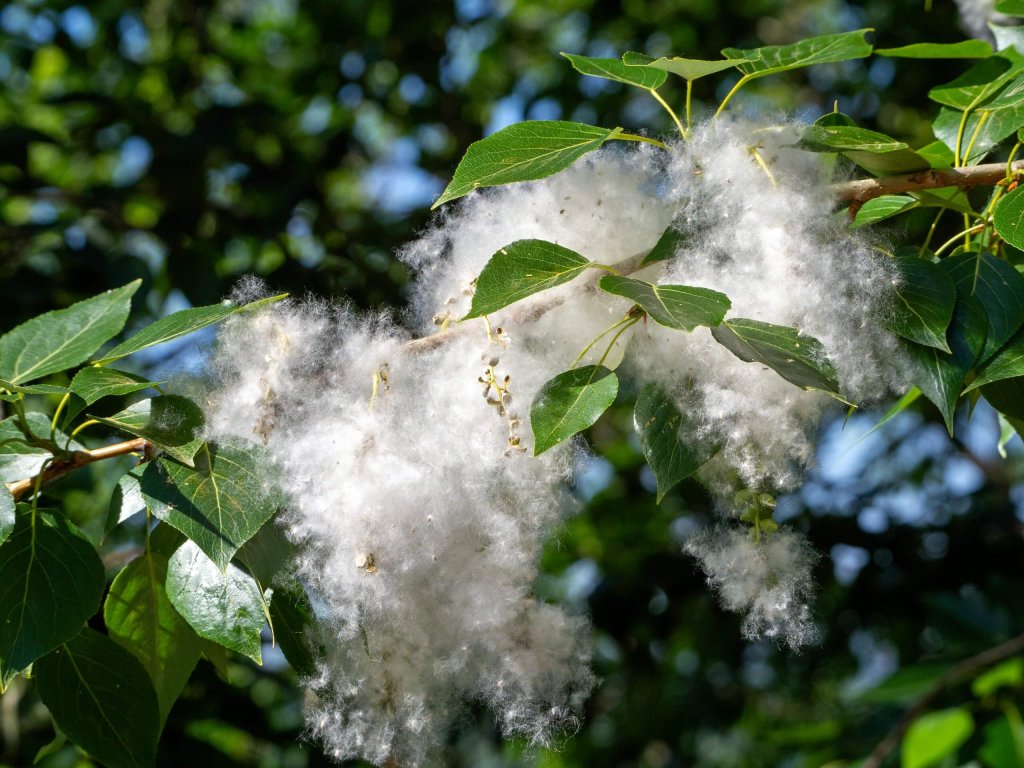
680 686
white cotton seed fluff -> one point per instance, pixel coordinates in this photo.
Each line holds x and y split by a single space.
975 16
769 582
419 512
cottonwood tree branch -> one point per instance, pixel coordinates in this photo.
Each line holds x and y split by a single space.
78 459
965 669
862 190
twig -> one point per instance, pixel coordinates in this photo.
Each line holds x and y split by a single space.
965 669
862 190
61 467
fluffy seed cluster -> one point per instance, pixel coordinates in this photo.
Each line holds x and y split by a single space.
975 16
768 581
411 489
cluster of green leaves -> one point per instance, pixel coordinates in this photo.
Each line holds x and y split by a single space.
208 575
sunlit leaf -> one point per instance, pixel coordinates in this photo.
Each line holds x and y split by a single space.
688 69
92 383
569 403
613 69
966 49
170 422
63 338
881 208
682 307
814 50
522 152
934 736
521 269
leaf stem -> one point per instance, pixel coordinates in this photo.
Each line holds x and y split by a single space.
630 321
960 137
682 131
953 240
56 414
605 267
689 118
735 89
601 335
931 233
645 139
974 136
764 166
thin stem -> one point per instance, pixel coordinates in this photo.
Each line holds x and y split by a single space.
682 131
597 338
631 321
931 233
960 138
80 427
764 166
645 139
56 414
1009 160
605 267
974 137
952 241
689 118
735 89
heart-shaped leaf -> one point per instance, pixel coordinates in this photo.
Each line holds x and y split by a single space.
92 383
925 296
569 403
63 338
670 446
522 152
814 50
613 69
682 307
170 422
521 269
688 69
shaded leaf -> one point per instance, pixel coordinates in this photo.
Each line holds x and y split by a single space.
266 553
101 697
220 504
170 422
521 152
880 208
997 126
796 357
980 82
292 615
181 324
966 49
521 269
569 403
840 138
688 69
925 297
998 288
224 606
814 50
935 736
141 619
51 581
64 338
126 501
669 242
669 444
682 307
613 69
93 383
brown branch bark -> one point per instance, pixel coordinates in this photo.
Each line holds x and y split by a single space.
962 671
862 190
58 469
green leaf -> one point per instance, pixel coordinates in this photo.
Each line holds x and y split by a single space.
1007 364
1009 674
1008 218
979 83
224 606
1010 7
682 307
220 504
1007 397
840 138
292 615
170 422
998 287
126 501
814 50
967 49
669 242
93 383
51 581
141 619
613 69
880 208
935 736
6 513
63 338
796 357
688 69
668 440
181 324
29 389
521 269
569 403
1003 746
102 698
997 126
522 152
925 297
